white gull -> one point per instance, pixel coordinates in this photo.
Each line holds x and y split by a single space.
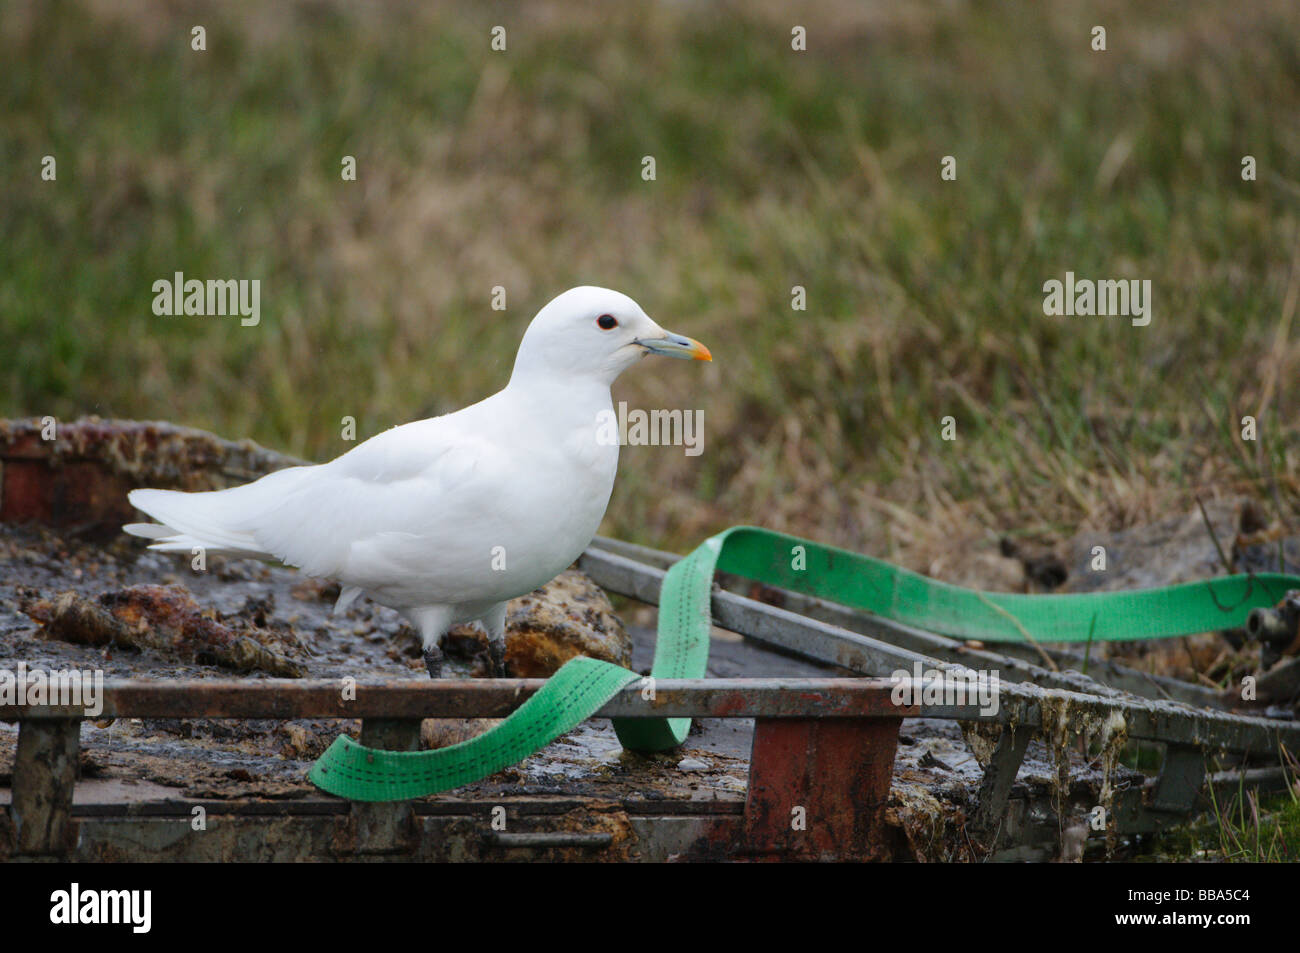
447 519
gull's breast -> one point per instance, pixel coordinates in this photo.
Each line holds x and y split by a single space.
499 522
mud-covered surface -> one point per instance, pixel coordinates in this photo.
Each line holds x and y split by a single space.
41 570
134 760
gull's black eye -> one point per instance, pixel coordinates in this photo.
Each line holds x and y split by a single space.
607 322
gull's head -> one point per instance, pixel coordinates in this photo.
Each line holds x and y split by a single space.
597 333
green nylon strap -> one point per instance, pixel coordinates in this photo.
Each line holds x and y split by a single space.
582 686
570 696
873 585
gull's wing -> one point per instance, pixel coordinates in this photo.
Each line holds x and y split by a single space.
399 503
394 505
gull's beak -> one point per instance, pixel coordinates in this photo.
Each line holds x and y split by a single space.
676 345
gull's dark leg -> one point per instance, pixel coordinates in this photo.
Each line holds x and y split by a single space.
497 653
495 623
433 660
432 623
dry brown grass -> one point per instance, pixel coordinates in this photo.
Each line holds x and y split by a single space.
520 171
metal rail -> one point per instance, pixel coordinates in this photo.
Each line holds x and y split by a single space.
1017 704
1156 720
482 698
1021 660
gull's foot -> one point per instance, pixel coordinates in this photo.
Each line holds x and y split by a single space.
497 658
433 661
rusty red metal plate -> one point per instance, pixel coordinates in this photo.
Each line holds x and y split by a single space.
818 788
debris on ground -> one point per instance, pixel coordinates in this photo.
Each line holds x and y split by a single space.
567 617
166 619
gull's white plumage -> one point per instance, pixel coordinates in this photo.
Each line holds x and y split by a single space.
448 518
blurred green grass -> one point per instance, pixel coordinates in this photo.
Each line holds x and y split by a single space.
775 168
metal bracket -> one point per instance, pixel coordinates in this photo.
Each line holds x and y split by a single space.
818 787
384 828
45 774
1277 629
999 776
1181 777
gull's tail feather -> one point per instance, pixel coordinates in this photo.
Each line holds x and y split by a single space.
187 520
215 521
149 530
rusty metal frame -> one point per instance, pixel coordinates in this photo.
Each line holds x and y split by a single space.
823 748
1187 720
842 796
821 762
820 768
